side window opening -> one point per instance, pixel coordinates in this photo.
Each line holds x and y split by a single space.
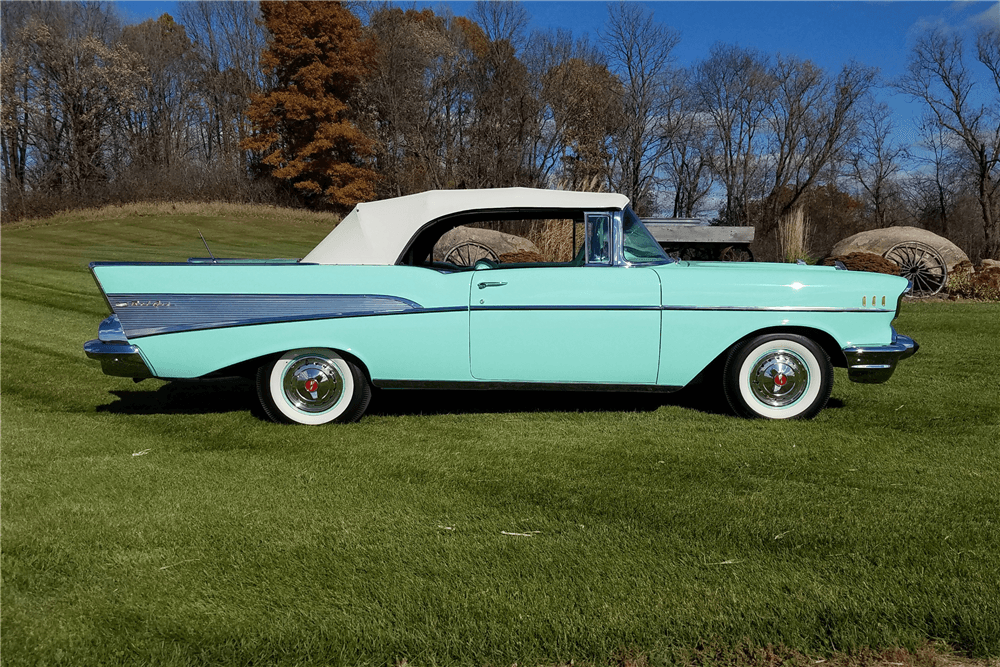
533 238
548 238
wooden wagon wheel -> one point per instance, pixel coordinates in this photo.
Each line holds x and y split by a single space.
920 264
467 253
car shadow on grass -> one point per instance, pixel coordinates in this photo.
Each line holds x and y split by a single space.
399 402
186 397
213 396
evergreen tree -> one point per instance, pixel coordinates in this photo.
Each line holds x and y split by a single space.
305 130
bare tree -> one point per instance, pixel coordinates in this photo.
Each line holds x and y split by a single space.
394 96
579 99
640 53
812 118
938 76
875 164
733 89
690 148
502 21
15 101
69 88
228 38
160 123
505 109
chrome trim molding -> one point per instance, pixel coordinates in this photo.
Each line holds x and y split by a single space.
791 309
206 261
777 309
139 315
100 287
117 359
546 307
875 364
154 314
529 386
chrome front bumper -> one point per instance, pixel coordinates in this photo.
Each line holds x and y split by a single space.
875 364
116 355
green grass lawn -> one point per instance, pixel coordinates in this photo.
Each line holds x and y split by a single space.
166 523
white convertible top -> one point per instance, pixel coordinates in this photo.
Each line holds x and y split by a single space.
377 232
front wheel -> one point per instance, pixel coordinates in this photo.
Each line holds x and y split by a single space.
778 376
312 386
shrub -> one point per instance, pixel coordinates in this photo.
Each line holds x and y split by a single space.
982 284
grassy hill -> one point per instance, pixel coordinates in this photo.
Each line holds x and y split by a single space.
166 523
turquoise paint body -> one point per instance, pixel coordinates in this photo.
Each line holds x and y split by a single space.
552 324
691 339
566 345
429 288
421 346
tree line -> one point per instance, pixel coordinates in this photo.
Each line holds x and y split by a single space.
327 104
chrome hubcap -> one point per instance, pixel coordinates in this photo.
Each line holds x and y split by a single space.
313 384
779 378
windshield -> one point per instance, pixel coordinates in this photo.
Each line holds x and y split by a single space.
638 245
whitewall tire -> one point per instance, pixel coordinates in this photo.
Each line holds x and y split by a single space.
778 376
312 386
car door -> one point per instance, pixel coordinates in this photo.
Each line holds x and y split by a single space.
591 324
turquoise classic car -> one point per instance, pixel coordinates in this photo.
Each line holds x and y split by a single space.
585 299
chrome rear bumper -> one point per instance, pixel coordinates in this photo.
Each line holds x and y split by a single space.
112 349
117 359
875 364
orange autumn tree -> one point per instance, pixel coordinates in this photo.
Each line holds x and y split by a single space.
305 131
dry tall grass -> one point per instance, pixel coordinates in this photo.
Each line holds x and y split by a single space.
185 209
792 235
554 238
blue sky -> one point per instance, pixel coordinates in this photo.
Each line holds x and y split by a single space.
830 34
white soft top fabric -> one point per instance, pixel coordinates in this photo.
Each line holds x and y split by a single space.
377 232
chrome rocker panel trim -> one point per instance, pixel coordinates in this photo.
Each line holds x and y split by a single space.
118 359
876 364
496 385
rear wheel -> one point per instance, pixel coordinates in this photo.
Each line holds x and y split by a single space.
778 376
312 386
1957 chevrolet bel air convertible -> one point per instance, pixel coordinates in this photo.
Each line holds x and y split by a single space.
374 304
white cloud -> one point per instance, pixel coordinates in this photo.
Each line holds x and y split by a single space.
956 18
989 18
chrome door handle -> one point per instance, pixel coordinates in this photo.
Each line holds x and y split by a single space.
485 285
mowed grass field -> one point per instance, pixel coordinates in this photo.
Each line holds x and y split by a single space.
168 524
